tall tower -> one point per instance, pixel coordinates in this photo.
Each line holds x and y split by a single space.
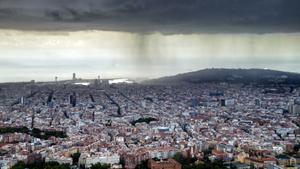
74 76
22 100
56 79
73 99
99 79
32 119
93 118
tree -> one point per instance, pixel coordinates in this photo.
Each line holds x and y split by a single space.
100 166
296 148
189 163
75 158
48 165
19 165
183 160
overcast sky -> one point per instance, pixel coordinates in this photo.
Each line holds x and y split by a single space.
41 39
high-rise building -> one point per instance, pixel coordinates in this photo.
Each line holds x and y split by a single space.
73 99
257 102
97 81
32 120
294 109
223 102
194 102
93 117
74 76
22 100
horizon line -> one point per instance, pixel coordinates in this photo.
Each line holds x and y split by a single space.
149 78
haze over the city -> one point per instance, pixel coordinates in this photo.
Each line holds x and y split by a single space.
42 39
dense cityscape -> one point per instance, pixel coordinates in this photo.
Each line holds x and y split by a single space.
96 123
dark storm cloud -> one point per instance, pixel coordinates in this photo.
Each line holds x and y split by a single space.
167 16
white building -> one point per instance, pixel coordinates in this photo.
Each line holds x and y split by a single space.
60 159
103 159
